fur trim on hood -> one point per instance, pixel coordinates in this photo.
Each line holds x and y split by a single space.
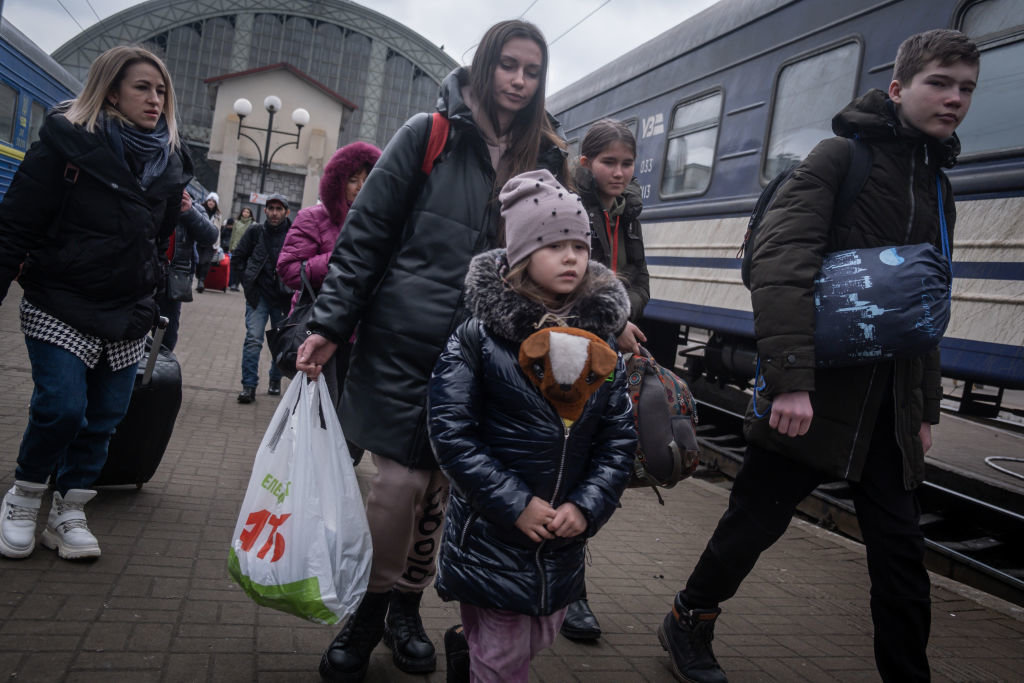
603 309
344 162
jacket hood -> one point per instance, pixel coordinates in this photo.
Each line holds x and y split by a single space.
449 98
603 309
343 164
587 189
873 117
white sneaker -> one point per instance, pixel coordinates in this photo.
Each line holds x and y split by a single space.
66 529
18 518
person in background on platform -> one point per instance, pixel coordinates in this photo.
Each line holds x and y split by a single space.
207 253
312 238
871 422
89 282
611 198
194 231
398 271
225 234
266 297
528 488
241 226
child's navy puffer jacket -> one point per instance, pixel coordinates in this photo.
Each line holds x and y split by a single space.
500 442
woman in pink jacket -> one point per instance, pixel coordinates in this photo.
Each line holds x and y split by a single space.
316 228
314 231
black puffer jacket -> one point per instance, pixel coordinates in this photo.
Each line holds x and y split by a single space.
898 205
398 270
500 442
256 258
94 266
634 271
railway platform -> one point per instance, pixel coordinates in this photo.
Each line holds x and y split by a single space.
159 606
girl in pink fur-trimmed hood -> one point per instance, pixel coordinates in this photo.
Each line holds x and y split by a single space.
315 229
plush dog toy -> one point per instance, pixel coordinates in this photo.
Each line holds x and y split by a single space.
568 365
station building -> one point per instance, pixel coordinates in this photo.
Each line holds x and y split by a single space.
358 73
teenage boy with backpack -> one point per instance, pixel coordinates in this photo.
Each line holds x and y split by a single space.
869 424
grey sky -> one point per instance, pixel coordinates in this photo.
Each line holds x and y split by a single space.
612 30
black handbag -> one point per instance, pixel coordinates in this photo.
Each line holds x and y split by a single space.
179 283
285 338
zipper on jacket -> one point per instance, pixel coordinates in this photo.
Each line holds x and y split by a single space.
913 205
561 463
465 528
860 420
554 496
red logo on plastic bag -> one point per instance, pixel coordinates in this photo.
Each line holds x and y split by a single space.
275 540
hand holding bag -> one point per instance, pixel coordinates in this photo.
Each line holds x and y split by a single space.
285 338
301 543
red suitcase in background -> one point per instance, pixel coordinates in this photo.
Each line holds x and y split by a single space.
217 278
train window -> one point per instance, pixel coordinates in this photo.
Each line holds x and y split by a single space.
994 120
690 154
35 121
8 111
808 93
992 16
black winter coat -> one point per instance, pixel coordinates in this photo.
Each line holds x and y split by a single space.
256 258
89 247
638 281
398 270
898 205
194 230
500 443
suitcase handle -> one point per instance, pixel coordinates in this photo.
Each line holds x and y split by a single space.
154 350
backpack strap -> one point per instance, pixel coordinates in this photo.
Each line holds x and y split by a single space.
69 178
856 175
439 126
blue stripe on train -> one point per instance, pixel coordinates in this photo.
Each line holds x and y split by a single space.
987 363
972 270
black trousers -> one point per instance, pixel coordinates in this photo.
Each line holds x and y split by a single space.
764 496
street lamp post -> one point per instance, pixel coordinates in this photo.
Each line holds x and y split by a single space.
272 103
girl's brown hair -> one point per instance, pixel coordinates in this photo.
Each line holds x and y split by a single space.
530 124
604 133
106 74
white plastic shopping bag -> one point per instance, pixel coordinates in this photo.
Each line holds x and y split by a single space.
301 543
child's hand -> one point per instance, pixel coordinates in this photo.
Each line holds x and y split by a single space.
568 521
533 519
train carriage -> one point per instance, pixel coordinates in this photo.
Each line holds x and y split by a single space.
31 82
730 97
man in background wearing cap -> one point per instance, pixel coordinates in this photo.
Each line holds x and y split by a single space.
266 297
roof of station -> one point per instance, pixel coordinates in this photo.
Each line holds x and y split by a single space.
142 21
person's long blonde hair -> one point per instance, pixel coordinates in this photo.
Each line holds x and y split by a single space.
106 74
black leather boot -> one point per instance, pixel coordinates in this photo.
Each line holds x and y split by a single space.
403 633
687 634
348 656
580 623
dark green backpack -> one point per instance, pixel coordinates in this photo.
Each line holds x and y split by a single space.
853 183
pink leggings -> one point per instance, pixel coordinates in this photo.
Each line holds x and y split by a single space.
502 644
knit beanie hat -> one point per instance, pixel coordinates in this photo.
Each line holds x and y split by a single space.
539 211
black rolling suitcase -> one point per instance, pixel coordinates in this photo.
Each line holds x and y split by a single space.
139 442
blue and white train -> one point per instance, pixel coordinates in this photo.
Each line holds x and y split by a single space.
726 99
31 82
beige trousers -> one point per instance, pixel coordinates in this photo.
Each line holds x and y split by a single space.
405 509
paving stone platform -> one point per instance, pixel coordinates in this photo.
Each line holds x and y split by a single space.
159 606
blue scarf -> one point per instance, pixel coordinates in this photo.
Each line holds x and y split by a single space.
151 148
